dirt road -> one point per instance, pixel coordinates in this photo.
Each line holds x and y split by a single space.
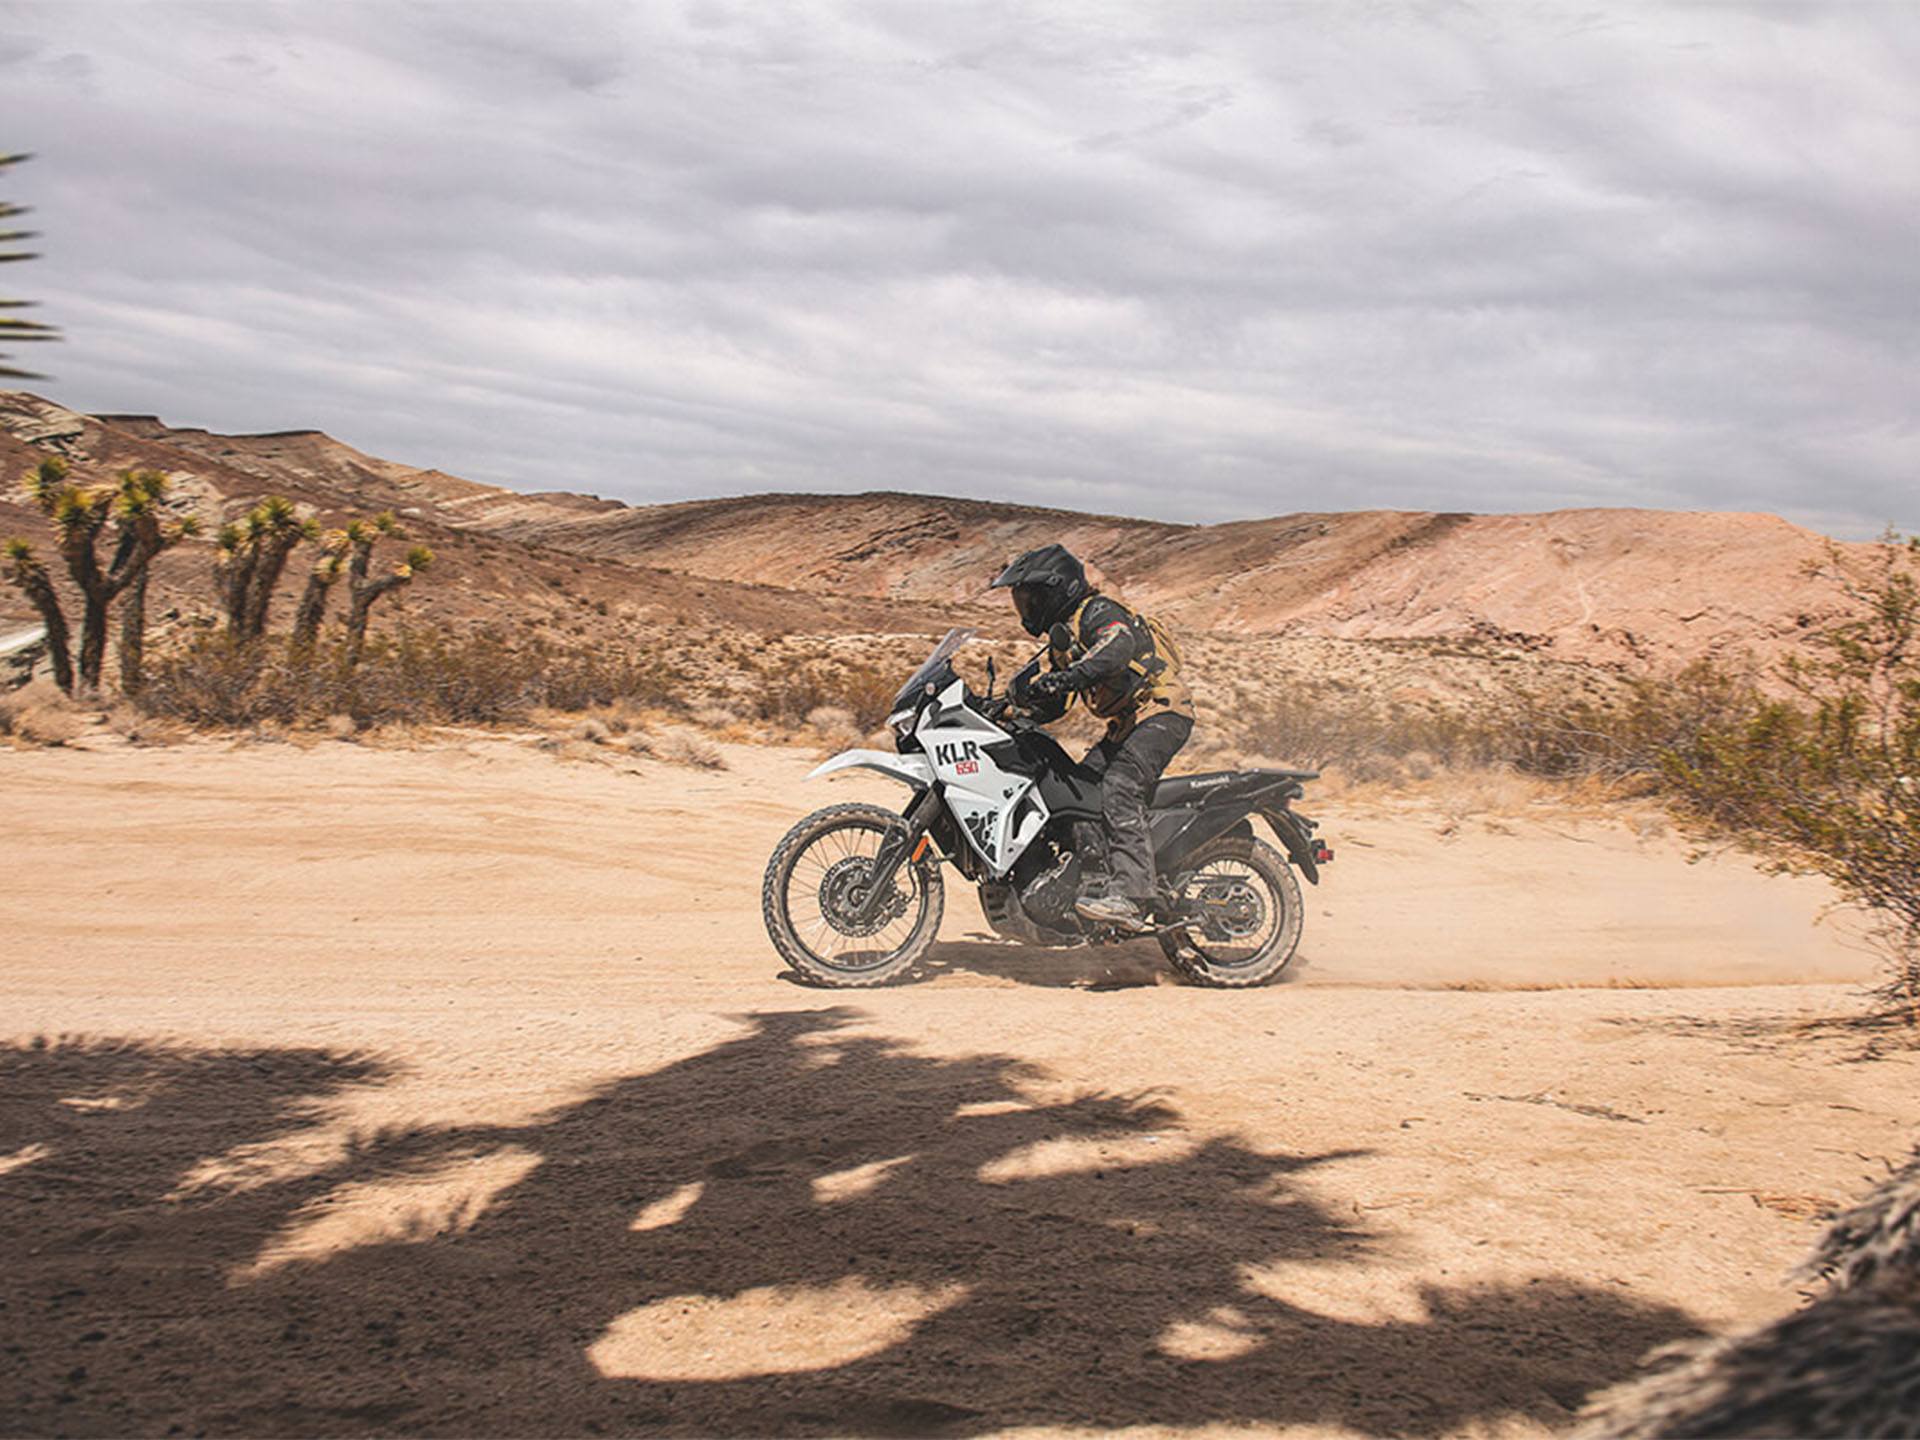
458 1090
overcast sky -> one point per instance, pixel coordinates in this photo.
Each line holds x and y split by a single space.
1191 261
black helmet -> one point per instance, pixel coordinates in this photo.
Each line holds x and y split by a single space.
1047 584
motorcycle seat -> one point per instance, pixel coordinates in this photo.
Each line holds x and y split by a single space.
1191 789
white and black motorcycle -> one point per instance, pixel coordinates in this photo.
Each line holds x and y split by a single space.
853 893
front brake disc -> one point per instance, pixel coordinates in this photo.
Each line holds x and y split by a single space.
843 890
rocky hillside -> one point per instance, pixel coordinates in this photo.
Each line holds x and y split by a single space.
1634 587
478 577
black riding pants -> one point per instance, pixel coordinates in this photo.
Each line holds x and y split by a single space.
1129 766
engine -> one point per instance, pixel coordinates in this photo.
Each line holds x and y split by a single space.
1034 903
1047 879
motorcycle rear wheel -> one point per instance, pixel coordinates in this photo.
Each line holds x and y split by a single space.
814 883
1255 884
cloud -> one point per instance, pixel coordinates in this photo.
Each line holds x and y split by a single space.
1195 262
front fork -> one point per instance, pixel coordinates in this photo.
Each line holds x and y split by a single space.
896 848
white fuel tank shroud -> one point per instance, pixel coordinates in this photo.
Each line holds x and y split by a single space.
999 812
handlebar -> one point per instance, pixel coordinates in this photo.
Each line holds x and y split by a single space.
1002 711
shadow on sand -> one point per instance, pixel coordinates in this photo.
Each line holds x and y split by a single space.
1135 965
995 1268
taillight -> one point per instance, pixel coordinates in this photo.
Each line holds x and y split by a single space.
1322 853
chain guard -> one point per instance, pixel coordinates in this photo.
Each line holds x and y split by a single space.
843 889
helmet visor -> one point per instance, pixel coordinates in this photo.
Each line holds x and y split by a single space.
1030 603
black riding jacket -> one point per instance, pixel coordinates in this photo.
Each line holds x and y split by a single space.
1107 637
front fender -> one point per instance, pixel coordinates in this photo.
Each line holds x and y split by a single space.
914 770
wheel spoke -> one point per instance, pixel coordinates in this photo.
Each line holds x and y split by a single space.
822 885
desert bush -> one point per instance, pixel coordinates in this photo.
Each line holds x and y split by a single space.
682 748
834 725
1827 780
411 678
619 716
137 727
1626 739
865 690
40 714
1633 738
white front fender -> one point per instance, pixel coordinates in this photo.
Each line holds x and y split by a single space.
914 770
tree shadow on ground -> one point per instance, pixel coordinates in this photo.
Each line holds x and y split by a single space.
805 1230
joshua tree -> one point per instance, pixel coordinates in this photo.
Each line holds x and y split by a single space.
251 556
362 591
140 525
331 565
79 515
13 331
27 575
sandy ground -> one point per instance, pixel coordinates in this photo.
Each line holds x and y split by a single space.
458 1091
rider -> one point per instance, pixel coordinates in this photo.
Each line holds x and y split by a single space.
1126 670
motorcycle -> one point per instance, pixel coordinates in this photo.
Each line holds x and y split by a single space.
853 894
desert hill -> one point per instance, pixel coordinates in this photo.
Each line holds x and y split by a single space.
478 577
1639 588
1591 585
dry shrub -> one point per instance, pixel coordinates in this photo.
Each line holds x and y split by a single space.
620 715
342 727
835 726
139 728
862 689
1553 733
830 717
715 717
1828 781
592 731
683 748
1460 794
1650 826
39 714
433 677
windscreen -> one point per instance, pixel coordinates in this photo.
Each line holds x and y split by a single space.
941 659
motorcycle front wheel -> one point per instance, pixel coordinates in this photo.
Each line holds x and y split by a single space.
816 885
1250 909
